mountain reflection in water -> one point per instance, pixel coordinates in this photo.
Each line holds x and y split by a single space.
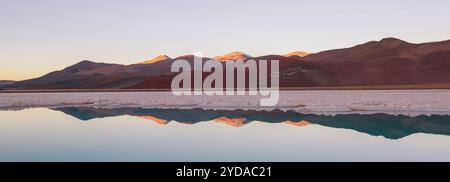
388 126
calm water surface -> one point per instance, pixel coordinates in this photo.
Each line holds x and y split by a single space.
133 134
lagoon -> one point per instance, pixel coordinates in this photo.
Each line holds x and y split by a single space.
154 134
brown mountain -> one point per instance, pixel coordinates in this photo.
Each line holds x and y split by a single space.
91 75
389 61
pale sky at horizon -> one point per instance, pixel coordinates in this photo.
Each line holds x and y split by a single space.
40 36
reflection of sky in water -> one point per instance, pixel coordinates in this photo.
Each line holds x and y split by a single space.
47 135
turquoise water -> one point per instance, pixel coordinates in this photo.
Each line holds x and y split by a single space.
135 134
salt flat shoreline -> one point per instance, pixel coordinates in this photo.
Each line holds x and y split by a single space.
326 102
377 87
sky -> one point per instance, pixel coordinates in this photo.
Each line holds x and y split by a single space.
40 36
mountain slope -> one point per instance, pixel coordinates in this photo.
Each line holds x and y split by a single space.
387 62
89 75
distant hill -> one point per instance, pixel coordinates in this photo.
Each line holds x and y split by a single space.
389 61
6 82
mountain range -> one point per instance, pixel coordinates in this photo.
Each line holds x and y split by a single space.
386 62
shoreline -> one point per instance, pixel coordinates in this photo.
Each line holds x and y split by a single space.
378 87
327 102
